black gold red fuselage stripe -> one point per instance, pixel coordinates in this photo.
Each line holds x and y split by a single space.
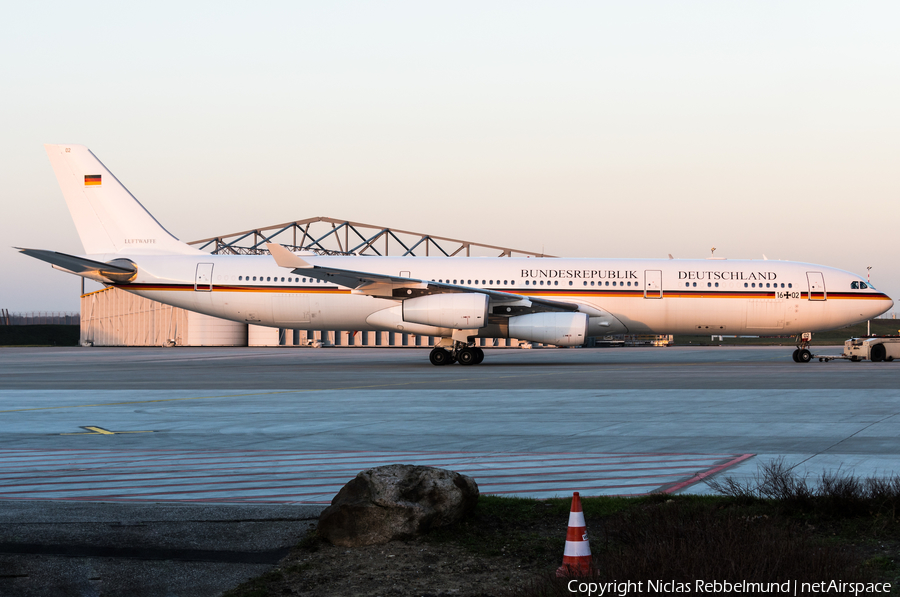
562 292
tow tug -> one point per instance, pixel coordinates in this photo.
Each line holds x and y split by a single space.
872 348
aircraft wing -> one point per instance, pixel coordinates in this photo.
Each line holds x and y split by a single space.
399 288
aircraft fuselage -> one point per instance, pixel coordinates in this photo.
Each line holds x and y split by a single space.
646 296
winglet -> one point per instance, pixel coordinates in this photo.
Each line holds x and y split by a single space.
285 258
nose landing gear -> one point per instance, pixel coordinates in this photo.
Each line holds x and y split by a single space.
802 354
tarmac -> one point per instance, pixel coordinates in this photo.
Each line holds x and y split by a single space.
201 460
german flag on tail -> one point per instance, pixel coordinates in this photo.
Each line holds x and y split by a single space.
92 180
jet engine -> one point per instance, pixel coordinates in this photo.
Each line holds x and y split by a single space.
458 310
561 329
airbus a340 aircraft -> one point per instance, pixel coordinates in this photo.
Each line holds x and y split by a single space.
553 301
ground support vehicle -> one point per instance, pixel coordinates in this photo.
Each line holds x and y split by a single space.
873 348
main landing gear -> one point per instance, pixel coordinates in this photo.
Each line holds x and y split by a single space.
461 353
802 354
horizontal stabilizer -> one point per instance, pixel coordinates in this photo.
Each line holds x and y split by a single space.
117 271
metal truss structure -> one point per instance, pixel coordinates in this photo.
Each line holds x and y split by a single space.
330 236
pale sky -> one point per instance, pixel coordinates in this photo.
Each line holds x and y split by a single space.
586 129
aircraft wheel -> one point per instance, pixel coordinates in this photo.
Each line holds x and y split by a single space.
878 353
479 355
439 357
794 355
466 356
804 356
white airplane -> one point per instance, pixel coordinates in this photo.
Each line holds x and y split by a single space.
553 301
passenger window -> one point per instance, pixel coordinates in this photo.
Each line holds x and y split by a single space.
695 285
469 282
585 282
282 279
240 277
254 278
555 282
570 282
592 283
709 284
542 282
687 284
717 284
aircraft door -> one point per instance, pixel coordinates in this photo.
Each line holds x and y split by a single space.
653 284
816 286
203 281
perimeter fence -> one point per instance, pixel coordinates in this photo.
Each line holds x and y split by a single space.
39 318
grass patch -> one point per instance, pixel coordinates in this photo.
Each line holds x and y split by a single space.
39 335
831 496
774 528
533 531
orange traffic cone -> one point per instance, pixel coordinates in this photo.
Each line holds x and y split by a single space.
577 556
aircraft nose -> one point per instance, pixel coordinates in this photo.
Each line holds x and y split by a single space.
882 306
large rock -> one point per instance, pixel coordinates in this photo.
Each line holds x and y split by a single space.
397 501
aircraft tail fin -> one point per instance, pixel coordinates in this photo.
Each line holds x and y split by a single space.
108 218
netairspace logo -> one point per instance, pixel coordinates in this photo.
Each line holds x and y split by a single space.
720 587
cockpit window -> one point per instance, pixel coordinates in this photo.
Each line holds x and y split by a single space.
854 285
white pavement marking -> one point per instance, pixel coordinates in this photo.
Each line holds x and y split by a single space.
314 477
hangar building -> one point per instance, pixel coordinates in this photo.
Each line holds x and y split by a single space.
113 317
